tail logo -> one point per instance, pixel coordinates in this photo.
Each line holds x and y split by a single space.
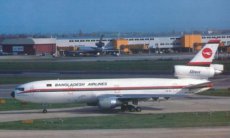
207 53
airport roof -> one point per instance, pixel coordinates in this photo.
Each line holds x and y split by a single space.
28 41
111 38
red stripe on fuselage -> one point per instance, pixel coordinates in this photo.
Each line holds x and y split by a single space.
102 89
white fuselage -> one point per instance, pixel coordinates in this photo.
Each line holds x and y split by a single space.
66 91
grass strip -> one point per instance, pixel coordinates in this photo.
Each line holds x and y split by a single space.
144 65
127 121
140 65
216 92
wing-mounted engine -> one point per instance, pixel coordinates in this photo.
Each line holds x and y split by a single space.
108 102
198 72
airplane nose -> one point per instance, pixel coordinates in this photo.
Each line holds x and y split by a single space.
12 94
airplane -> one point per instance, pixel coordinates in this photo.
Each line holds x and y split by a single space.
96 50
125 92
88 50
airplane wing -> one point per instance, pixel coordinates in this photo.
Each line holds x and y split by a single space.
129 97
145 97
202 85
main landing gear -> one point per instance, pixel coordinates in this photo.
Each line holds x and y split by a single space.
130 108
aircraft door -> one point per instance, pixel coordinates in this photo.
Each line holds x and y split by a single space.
117 89
32 90
70 94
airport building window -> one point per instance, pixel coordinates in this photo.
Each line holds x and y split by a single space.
151 38
92 40
130 39
49 85
82 40
87 40
178 44
76 40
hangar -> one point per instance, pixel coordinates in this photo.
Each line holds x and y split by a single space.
29 46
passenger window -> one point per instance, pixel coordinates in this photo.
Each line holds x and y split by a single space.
49 85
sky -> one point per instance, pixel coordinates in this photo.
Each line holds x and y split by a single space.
71 16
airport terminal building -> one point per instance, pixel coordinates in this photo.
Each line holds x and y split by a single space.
185 41
37 46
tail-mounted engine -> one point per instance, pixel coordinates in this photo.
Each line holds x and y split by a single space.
198 72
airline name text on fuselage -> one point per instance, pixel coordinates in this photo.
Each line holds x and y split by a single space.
80 84
194 72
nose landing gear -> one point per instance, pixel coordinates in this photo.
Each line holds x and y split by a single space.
44 108
44 111
12 94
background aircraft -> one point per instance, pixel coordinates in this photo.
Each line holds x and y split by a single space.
97 50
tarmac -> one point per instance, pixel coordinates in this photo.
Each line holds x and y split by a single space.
213 132
144 56
190 104
150 56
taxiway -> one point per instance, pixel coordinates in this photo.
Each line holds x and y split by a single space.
192 103
216 132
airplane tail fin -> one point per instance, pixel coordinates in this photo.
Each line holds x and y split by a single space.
206 55
195 68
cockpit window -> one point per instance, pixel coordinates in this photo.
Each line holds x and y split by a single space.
20 89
